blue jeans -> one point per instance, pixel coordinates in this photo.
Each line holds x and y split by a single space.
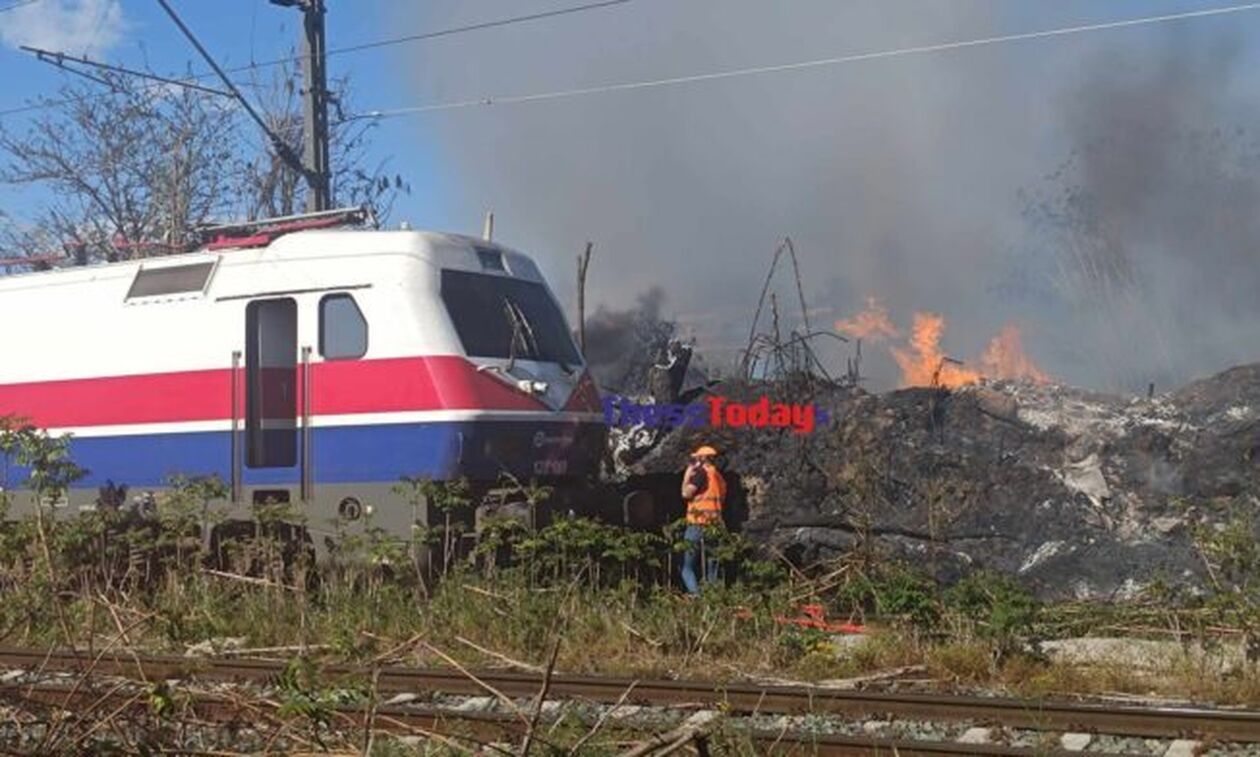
694 536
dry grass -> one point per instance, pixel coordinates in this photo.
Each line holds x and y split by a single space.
961 662
1179 678
608 592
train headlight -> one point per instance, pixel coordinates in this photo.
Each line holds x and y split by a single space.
532 387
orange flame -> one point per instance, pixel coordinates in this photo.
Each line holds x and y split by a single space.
1005 359
924 363
871 324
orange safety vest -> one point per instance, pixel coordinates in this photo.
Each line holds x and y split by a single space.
705 508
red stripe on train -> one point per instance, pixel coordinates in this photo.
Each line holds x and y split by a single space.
341 387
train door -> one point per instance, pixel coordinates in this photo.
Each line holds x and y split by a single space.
269 456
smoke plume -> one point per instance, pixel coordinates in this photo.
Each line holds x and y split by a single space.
1149 230
623 344
1095 191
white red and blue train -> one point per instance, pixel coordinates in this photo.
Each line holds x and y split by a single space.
314 367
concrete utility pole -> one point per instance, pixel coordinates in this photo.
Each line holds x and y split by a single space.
315 136
315 130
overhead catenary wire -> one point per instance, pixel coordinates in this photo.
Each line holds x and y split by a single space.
282 148
451 31
363 46
800 65
59 59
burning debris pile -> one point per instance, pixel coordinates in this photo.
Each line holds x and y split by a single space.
1079 494
924 363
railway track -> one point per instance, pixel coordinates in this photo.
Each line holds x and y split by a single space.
1234 726
483 727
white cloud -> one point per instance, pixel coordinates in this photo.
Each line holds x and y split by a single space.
77 27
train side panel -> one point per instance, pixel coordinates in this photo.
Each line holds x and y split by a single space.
146 387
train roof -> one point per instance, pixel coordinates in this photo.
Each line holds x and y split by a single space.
441 249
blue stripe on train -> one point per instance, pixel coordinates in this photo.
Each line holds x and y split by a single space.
346 454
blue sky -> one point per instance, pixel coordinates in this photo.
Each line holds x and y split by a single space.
239 32
900 178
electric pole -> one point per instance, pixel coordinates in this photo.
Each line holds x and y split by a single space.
313 165
315 136
315 131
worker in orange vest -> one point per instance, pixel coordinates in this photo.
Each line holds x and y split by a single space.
704 491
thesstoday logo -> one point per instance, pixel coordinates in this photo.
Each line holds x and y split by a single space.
715 412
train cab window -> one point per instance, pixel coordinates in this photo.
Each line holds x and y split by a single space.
271 383
343 331
490 259
504 317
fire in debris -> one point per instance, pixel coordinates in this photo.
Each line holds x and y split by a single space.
872 324
1005 359
924 363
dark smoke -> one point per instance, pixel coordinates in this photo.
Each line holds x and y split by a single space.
1093 189
622 345
1151 225
637 352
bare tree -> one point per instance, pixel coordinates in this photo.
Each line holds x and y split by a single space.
132 169
129 169
273 188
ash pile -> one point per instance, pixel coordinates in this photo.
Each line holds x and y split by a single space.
1079 494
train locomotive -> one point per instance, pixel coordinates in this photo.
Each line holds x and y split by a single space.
303 361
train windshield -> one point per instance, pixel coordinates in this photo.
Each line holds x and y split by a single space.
501 317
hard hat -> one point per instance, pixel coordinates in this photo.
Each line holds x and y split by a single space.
704 451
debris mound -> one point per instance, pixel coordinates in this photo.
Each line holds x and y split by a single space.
1079 494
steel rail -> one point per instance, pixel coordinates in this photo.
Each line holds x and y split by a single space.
1033 714
475 726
